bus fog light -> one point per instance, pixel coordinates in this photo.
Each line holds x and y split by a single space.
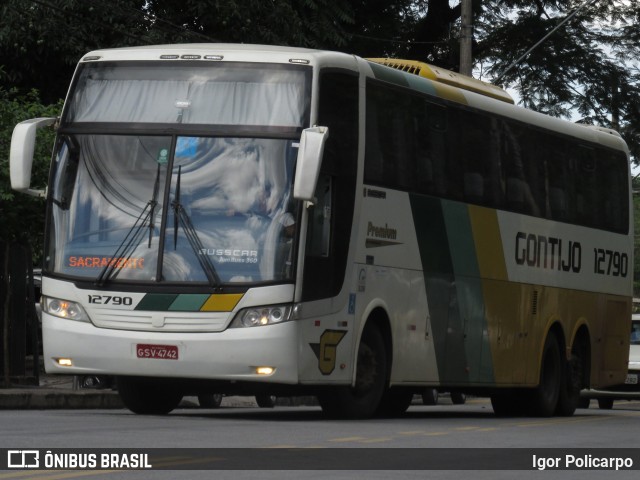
265 370
259 316
64 362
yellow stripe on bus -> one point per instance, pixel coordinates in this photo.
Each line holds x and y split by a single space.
486 235
222 302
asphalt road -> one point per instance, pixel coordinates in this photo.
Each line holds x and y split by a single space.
231 436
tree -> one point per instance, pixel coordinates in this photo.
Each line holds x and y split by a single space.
41 41
587 68
22 216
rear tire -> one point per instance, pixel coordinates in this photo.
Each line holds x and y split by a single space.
544 399
147 396
363 399
569 398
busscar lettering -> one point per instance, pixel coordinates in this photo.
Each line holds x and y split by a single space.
101 262
549 253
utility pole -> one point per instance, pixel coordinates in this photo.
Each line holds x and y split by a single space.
466 37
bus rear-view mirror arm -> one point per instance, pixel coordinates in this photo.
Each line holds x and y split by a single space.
308 163
23 143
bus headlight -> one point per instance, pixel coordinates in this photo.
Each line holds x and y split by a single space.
64 309
259 316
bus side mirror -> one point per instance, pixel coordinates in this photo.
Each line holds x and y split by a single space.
23 142
308 163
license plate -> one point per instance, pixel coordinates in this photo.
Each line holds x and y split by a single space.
632 379
166 352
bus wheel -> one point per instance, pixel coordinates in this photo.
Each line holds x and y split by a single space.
544 398
570 387
146 396
605 403
363 399
266 401
395 402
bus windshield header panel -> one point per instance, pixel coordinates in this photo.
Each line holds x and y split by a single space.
196 93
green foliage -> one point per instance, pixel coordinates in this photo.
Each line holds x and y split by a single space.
636 215
22 216
588 68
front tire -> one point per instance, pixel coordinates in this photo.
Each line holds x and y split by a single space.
363 399
146 396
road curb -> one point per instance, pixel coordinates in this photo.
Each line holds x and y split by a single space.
17 399
55 398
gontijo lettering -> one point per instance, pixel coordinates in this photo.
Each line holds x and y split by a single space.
548 252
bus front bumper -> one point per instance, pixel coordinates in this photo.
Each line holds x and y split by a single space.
235 354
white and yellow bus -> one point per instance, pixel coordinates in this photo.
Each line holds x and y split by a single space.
268 220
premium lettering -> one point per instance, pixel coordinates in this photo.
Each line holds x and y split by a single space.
381 232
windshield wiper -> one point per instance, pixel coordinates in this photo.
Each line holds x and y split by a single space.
126 247
154 204
182 217
132 239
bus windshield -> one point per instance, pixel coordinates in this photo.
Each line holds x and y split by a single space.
176 172
172 209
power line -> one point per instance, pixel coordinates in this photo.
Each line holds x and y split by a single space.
525 54
403 42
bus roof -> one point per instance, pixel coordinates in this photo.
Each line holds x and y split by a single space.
448 77
412 74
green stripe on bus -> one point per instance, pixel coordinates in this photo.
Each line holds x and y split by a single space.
466 323
189 302
460 237
156 301
454 290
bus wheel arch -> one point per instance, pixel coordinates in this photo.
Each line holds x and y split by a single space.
363 397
